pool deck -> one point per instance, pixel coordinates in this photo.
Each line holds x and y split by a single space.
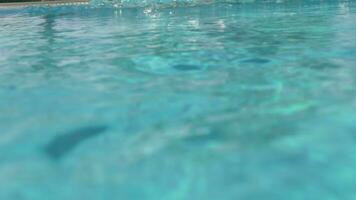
44 3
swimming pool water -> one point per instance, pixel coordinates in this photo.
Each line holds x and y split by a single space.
219 101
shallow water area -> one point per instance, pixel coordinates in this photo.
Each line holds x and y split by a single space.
209 101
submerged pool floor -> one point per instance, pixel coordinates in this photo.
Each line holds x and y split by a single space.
224 101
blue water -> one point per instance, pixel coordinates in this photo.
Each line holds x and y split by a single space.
213 101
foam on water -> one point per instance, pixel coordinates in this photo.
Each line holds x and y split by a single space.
155 4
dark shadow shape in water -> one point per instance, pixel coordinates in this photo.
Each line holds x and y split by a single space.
323 65
11 87
204 138
187 67
65 143
256 60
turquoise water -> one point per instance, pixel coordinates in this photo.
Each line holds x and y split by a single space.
219 101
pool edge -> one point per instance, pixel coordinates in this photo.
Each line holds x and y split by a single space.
44 3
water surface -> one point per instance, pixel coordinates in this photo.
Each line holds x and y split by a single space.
220 101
